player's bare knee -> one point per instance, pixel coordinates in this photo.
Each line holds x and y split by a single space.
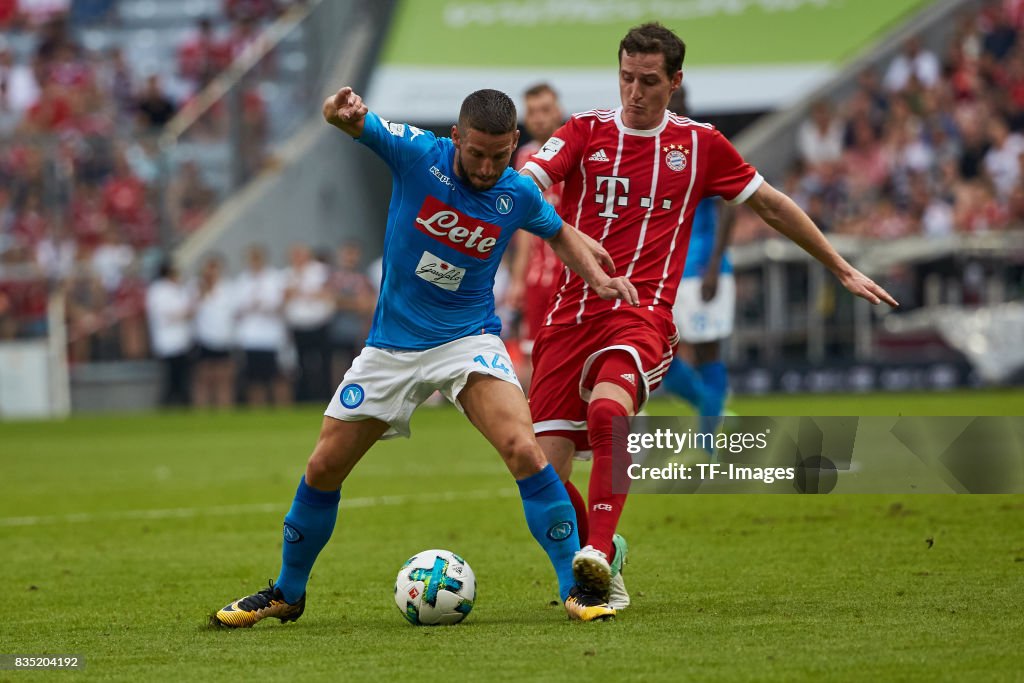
706 352
322 471
563 468
559 453
522 454
326 464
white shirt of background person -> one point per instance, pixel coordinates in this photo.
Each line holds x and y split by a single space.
22 91
110 261
1002 163
215 317
913 61
260 295
307 307
169 309
55 255
820 136
938 219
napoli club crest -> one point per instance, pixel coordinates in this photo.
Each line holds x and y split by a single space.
675 157
352 396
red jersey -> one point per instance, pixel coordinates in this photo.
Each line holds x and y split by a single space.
544 268
635 192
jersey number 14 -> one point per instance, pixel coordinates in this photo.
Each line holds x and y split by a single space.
495 363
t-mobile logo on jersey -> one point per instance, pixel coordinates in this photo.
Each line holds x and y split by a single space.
448 226
611 196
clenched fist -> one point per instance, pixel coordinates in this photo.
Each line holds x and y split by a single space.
345 110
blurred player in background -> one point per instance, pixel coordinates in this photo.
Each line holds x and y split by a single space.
633 178
169 308
705 306
704 311
536 271
455 206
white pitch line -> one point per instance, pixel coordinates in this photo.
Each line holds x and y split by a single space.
227 510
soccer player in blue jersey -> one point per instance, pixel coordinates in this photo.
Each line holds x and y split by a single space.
455 205
704 312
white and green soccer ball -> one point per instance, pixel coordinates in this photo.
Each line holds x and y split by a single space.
435 587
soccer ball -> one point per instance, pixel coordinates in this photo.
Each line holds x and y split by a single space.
435 587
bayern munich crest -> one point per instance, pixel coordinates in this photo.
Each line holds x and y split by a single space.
675 157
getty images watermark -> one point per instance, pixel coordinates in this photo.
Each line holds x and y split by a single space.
666 440
819 455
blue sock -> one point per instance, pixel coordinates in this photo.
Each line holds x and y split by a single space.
552 521
307 528
683 381
716 385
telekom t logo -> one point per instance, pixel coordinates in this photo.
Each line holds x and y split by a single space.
611 196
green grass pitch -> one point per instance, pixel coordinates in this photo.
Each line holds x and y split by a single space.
119 536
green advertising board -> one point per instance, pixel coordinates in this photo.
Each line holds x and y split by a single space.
743 53
585 33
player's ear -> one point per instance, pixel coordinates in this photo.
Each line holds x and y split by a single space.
515 139
455 135
677 80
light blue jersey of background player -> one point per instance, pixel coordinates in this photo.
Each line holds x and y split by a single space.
702 240
703 324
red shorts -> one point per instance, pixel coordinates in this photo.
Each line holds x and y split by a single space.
564 369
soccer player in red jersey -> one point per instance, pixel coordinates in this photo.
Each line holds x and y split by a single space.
536 271
633 177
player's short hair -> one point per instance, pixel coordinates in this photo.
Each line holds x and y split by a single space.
652 38
488 111
539 89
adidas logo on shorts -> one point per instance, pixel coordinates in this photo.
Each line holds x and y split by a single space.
629 377
599 155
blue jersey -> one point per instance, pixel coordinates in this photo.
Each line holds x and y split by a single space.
444 240
702 240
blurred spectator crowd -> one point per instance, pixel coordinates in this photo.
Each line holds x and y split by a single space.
265 335
930 145
82 187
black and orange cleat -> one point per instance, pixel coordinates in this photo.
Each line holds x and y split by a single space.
582 605
269 602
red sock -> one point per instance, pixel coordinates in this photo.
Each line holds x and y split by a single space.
605 506
576 498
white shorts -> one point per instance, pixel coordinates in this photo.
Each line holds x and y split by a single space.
389 385
705 321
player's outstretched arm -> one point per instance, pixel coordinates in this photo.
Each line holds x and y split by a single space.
569 246
345 110
783 214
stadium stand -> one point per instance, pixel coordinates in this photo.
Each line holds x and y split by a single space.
930 146
124 125
910 160
127 125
